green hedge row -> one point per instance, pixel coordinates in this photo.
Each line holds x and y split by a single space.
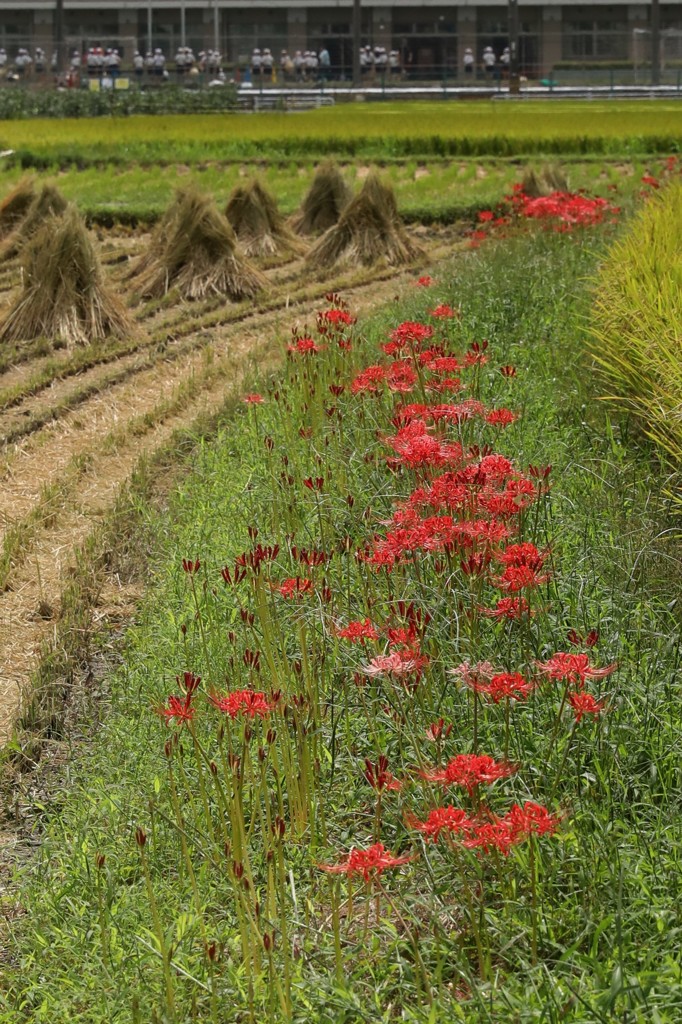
17 102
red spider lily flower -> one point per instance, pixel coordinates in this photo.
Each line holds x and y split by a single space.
505 686
509 608
401 377
585 704
337 317
304 346
520 577
531 819
397 664
485 216
411 332
473 675
469 771
415 446
368 380
442 819
189 682
648 179
574 668
314 484
370 863
444 312
250 703
508 371
501 417
476 354
379 777
293 587
358 632
438 730
570 209
492 835
190 566
424 282
440 364
253 399
522 554
180 710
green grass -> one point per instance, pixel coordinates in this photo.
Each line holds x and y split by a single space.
636 323
91 948
426 190
356 130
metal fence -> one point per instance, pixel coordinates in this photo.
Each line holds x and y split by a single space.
562 58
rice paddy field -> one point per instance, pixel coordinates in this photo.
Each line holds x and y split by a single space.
339 573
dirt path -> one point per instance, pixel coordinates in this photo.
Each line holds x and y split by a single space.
91 430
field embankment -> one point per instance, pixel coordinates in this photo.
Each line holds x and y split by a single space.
75 422
135 906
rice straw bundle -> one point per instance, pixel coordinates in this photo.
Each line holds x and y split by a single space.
324 202
200 256
48 203
15 205
64 296
159 238
369 231
550 178
258 224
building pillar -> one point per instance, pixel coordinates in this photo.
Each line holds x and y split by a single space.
466 37
638 17
550 39
297 29
382 27
128 29
43 31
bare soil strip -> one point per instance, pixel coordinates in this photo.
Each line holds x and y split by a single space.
61 479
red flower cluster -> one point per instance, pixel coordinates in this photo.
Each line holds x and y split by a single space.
505 686
304 346
575 669
469 771
358 632
444 312
509 608
294 587
398 664
369 863
523 565
416 447
250 703
568 207
495 834
181 709
409 334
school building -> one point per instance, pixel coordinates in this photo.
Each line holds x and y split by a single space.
429 34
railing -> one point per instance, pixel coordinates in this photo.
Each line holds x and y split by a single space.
376 81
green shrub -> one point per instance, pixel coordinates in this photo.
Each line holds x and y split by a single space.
637 322
24 103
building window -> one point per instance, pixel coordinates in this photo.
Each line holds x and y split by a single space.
595 34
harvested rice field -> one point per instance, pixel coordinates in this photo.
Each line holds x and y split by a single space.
75 420
340 657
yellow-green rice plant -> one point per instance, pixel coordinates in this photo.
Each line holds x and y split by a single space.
636 322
